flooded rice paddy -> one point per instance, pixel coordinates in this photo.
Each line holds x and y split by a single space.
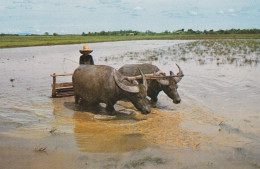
216 125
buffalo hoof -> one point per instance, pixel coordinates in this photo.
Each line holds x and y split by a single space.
82 102
111 110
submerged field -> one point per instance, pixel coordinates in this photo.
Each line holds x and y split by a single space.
237 52
21 41
216 125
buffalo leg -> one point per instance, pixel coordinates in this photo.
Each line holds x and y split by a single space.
110 108
154 98
76 99
153 102
153 95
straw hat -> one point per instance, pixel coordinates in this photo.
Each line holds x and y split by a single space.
86 49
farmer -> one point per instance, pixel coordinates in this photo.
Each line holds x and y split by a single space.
86 58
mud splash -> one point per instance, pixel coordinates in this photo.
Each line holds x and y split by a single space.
128 130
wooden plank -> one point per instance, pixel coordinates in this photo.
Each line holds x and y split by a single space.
54 86
66 74
66 84
65 94
64 90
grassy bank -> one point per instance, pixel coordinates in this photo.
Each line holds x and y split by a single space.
22 41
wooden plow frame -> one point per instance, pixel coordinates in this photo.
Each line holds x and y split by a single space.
61 89
66 89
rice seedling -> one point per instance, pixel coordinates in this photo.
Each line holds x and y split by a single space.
52 131
201 61
183 59
40 149
240 52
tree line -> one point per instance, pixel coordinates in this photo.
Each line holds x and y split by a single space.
148 32
177 32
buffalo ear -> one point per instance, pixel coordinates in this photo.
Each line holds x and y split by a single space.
120 84
172 80
163 82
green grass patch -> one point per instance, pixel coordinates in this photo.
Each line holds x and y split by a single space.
43 40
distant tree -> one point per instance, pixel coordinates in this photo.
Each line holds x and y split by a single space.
211 31
220 31
148 32
55 34
190 31
166 32
198 32
102 33
46 33
180 31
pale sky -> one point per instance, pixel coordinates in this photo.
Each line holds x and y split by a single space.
77 16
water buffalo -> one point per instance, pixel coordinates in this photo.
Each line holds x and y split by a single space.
169 86
103 84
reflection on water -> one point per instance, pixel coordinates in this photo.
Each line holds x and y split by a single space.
106 138
216 125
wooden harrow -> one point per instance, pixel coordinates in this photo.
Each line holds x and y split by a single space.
61 89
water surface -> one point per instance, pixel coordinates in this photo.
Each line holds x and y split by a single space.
215 126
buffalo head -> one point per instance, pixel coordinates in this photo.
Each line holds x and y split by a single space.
134 91
170 86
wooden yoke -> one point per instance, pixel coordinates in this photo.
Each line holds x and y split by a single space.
151 76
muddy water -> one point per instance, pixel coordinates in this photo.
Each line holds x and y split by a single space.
215 126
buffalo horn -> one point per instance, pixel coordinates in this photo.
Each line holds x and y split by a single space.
131 89
144 79
180 74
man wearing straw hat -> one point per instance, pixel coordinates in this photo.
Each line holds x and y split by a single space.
86 58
